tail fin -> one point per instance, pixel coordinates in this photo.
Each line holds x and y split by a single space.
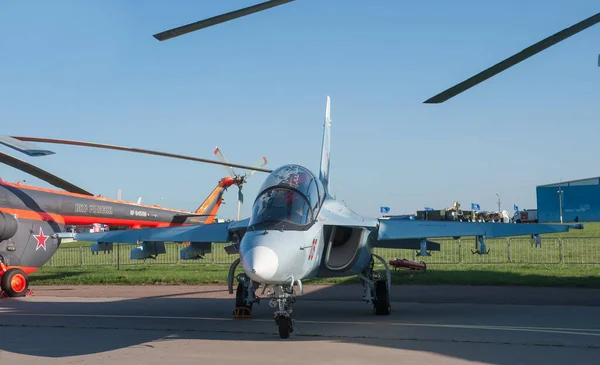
212 203
324 171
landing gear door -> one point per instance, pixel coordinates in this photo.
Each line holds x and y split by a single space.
40 243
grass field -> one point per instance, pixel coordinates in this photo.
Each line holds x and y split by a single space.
453 265
509 274
591 229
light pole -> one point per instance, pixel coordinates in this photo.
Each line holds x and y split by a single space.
498 202
560 193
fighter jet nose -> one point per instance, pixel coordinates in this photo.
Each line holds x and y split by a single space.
260 263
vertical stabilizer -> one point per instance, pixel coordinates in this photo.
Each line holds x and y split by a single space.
324 171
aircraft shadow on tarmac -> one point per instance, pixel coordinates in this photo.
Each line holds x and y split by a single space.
46 327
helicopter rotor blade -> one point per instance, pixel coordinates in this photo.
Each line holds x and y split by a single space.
192 27
222 157
41 174
514 59
259 164
136 150
24 147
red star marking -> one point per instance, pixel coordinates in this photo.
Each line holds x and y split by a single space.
41 240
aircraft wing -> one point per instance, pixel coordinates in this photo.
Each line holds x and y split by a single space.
407 229
241 225
214 232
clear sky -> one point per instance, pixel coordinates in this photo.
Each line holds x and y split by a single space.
91 70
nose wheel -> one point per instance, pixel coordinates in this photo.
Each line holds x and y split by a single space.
285 325
282 298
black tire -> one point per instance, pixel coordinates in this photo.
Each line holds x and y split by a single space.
381 305
15 283
240 294
285 326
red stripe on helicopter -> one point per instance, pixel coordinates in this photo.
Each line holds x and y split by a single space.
26 269
83 220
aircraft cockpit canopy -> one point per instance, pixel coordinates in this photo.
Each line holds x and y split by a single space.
290 194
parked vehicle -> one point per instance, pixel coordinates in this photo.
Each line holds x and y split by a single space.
525 216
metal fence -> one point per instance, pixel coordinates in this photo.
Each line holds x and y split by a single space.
553 250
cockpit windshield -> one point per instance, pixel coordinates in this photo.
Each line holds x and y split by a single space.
289 194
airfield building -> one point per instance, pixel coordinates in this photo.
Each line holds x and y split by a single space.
577 199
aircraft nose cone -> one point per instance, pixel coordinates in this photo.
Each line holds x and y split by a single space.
260 263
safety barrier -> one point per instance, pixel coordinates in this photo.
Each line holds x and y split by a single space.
568 250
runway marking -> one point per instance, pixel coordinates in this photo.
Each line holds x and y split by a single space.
572 331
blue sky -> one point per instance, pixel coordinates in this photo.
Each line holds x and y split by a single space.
256 86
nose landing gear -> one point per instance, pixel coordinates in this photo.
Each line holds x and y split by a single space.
282 298
285 325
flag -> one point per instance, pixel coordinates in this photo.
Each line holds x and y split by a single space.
384 209
428 209
475 206
515 207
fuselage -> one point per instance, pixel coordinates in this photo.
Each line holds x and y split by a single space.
298 231
30 218
29 202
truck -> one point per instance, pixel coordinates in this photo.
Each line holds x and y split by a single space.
525 216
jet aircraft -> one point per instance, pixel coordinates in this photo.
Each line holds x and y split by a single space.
33 220
298 231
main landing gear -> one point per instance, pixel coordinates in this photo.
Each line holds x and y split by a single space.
377 290
245 297
13 282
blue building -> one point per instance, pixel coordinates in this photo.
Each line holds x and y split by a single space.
580 199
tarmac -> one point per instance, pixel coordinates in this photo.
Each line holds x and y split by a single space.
193 325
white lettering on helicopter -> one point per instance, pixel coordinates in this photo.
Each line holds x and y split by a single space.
94 209
101 209
81 208
138 213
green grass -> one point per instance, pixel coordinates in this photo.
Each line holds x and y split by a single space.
591 229
517 263
563 275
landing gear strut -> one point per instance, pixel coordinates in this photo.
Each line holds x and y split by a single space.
282 298
377 290
244 297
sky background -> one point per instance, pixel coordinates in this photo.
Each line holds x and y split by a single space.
257 86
